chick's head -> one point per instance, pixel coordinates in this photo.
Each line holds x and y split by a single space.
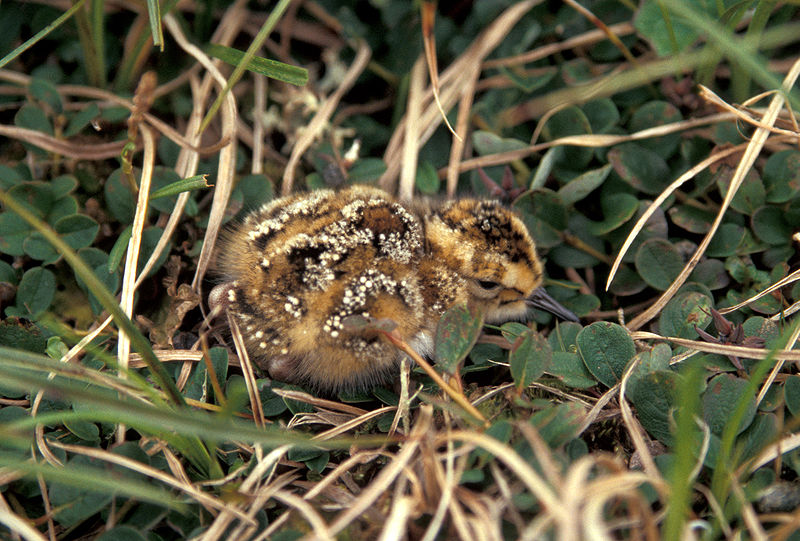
489 247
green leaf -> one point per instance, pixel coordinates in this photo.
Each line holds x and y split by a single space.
63 185
513 330
529 357
641 168
121 533
84 430
34 118
427 180
544 215
791 393
782 176
658 263
584 184
37 197
654 398
7 273
683 312
79 120
119 249
720 399
616 211
605 349
195 182
270 68
650 361
545 167
692 219
559 424
667 33
163 187
77 230
257 190
726 240
13 232
456 333
76 503
657 113
564 336
570 370
489 143
271 403
602 114
366 170
627 282
46 92
750 195
528 83
570 121
119 197
711 273
35 292
770 225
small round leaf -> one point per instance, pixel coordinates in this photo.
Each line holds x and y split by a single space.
605 349
721 398
658 263
683 313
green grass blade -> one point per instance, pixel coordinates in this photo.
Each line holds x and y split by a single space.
192 183
140 343
94 479
262 35
156 30
264 66
41 34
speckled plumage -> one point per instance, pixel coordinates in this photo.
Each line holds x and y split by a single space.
297 267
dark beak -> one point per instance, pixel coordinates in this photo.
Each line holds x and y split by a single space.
541 300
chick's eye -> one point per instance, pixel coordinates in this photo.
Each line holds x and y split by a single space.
488 284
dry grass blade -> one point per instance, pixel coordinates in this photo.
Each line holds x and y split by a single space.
793 277
247 371
323 115
429 42
19 525
751 152
354 423
227 156
321 529
462 126
589 140
300 396
453 82
767 385
395 528
456 394
223 520
607 32
632 425
741 115
770 453
524 472
77 151
182 484
132 254
587 38
411 141
723 349
388 474
594 413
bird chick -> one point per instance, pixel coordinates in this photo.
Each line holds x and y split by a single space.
299 266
